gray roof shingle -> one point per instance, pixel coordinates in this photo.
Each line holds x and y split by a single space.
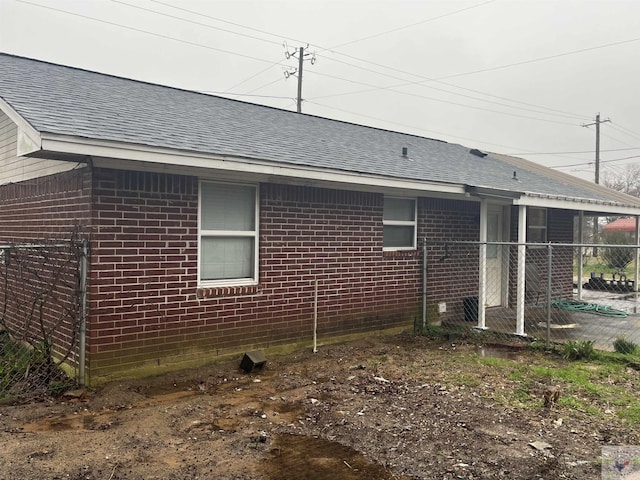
69 101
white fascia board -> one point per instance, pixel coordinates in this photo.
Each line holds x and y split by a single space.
239 165
29 139
578 204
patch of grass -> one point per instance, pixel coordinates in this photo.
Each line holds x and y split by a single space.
576 404
631 413
579 350
624 346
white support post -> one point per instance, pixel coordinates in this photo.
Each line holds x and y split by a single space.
482 257
522 255
581 252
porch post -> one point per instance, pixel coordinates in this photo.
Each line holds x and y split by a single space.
522 254
581 252
482 281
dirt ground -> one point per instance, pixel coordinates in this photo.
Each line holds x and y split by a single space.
397 407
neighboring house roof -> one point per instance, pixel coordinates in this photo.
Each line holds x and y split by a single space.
621 225
65 102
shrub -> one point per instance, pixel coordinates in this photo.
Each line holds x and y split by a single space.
578 350
622 345
617 258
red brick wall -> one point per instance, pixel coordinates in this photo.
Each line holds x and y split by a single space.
452 268
44 210
559 230
145 304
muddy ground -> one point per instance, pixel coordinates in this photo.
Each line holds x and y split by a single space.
399 407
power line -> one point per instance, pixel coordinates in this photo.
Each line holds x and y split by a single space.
445 101
409 26
625 131
211 92
194 22
420 84
413 127
139 30
565 114
349 56
581 151
593 161
541 59
223 21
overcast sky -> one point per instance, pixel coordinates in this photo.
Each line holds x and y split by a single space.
514 77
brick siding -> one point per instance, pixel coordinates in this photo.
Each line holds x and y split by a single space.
47 210
145 304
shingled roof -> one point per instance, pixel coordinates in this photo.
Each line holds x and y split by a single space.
66 101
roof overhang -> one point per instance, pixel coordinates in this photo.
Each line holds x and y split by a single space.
585 205
118 155
492 193
110 154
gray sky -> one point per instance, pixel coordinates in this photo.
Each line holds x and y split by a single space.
515 77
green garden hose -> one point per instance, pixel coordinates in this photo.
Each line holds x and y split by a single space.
578 306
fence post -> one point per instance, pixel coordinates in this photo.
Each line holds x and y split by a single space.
82 341
424 284
549 278
580 253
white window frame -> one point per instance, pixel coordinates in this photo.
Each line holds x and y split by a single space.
404 223
532 226
255 234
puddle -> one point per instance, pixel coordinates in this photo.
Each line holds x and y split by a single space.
294 457
509 352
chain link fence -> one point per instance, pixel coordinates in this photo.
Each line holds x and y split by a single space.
41 312
553 293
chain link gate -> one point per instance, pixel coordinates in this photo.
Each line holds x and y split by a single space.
553 293
42 313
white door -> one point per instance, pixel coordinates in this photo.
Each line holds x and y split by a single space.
494 256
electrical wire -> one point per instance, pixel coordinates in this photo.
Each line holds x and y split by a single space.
373 63
601 162
412 127
581 151
369 37
444 101
541 59
565 115
625 131
139 30
194 22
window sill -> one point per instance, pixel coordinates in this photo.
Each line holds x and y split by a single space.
213 292
400 253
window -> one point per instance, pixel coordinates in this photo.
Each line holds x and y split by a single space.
228 247
536 225
399 223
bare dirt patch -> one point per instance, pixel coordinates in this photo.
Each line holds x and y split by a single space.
400 407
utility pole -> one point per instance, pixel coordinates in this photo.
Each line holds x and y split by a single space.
300 54
597 175
597 124
300 64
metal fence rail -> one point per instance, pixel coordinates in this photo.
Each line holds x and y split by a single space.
549 292
41 316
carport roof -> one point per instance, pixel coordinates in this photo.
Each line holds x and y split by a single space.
66 102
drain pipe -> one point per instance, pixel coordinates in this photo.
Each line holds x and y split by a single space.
315 316
424 284
82 341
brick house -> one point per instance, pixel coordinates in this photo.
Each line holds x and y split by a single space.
217 226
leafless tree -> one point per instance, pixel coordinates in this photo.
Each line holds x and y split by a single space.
628 181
